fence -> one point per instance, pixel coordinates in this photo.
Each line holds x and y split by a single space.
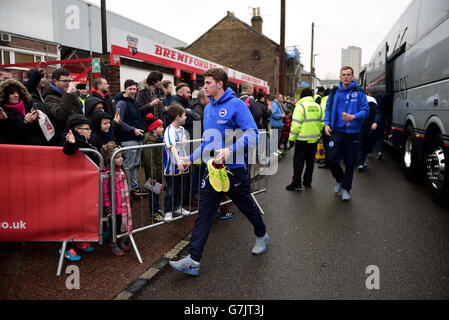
259 160
47 196
44 180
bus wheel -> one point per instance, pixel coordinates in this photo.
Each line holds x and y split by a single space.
436 173
409 156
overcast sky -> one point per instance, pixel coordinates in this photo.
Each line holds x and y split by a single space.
338 24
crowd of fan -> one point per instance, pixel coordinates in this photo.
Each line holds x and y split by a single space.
59 112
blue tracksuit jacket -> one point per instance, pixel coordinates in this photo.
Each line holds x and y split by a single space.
221 119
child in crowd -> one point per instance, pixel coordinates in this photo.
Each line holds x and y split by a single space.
153 161
285 133
105 129
174 168
78 136
122 196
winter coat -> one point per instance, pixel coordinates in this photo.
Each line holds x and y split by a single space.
254 107
107 100
276 114
59 106
80 143
99 137
131 117
90 104
14 130
107 197
143 99
153 159
31 86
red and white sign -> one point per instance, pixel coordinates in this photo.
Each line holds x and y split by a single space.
147 50
46 195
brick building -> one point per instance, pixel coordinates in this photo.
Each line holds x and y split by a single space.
234 43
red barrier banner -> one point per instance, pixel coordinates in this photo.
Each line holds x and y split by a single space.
46 195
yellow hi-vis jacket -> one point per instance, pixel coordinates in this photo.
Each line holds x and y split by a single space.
307 121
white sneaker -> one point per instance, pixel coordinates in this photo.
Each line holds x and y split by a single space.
168 216
346 196
182 211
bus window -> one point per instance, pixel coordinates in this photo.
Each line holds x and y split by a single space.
431 16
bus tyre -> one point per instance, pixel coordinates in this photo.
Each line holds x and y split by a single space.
435 169
409 155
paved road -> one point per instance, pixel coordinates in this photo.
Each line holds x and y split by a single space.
320 247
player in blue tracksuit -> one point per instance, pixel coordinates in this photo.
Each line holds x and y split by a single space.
346 109
224 116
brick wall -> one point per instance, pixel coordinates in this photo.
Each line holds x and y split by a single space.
232 44
111 74
29 44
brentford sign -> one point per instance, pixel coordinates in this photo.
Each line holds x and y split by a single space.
129 45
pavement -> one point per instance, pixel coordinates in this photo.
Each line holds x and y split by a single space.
28 270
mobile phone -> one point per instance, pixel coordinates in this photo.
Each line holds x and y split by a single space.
117 111
35 107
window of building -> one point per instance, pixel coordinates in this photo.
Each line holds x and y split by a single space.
23 57
6 58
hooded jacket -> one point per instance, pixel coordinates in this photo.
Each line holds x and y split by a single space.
90 104
99 137
14 130
276 114
106 99
351 100
130 116
31 86
80 141
228 113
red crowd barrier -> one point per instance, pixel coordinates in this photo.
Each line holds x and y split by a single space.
46 195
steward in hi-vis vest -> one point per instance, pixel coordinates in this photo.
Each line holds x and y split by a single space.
307 125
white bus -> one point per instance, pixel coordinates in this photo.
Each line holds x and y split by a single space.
409 74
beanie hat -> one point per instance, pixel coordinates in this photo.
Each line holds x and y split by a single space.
153 122
77 119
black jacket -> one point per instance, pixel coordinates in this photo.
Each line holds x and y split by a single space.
100 138
131 117
31 86
59 107
254 108
80 142
143 99
107 100
14 130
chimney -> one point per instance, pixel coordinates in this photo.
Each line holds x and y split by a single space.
256 20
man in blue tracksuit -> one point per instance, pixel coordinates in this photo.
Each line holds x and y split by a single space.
346 109
224 116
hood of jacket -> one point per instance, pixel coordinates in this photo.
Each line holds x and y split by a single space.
23 93
122 96
91 103
96 118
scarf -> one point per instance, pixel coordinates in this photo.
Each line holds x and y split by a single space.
55 88
20 107
101 95
126 207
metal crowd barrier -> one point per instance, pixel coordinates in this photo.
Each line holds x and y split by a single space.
100 206
260 160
